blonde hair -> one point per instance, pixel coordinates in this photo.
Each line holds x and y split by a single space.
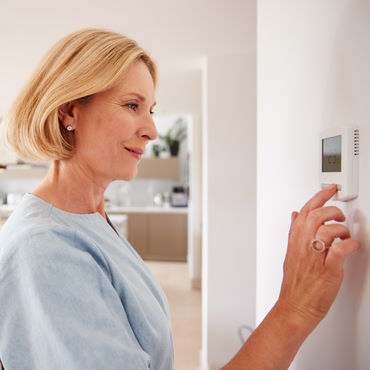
82 64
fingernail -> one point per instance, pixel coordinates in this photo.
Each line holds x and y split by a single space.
332 186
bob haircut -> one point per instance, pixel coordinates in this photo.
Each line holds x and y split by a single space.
82 64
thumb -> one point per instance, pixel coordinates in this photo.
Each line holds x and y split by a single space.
293 216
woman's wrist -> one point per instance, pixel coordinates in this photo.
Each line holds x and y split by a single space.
298 322
275 341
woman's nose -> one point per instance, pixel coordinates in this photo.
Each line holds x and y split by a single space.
149 130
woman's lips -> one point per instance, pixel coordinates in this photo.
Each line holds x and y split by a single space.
135 152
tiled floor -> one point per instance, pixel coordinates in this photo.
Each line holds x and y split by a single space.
185 306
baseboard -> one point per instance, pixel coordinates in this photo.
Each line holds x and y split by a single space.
203 360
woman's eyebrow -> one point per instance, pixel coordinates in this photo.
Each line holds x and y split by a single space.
139 97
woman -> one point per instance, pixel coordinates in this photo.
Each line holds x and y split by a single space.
74 294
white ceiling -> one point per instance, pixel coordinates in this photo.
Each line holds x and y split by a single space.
176 33
167 27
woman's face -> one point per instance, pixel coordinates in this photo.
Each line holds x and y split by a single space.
113 128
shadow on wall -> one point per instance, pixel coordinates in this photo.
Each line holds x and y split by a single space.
354 286
358 267
357 291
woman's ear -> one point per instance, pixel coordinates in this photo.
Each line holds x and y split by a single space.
67 114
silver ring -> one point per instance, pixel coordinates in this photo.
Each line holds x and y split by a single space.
321 248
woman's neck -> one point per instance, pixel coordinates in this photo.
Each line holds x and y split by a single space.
71 188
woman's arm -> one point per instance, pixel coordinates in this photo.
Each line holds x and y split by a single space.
310 284
272 345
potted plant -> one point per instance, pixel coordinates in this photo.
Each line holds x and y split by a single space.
157 149
175 135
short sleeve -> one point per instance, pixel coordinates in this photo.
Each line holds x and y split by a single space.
59 309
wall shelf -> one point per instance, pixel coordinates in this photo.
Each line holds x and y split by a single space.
159 168
24 172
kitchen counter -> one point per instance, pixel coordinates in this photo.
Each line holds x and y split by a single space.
150 209
6 210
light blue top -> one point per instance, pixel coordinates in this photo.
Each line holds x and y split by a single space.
75 295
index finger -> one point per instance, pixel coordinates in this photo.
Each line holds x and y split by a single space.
320 198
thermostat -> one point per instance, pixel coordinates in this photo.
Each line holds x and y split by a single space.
340 150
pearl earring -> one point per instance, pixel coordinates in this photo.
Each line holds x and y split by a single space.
69 128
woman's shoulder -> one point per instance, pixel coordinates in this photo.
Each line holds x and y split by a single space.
25 237
32 233
30 221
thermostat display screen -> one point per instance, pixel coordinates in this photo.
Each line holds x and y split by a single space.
332 154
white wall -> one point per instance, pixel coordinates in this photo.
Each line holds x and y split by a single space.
313 73
230 249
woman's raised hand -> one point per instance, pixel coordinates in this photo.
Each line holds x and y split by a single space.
313 267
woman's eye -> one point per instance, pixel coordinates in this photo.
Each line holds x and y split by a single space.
132 106
151 112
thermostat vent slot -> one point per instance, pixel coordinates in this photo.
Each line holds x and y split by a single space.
356 142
